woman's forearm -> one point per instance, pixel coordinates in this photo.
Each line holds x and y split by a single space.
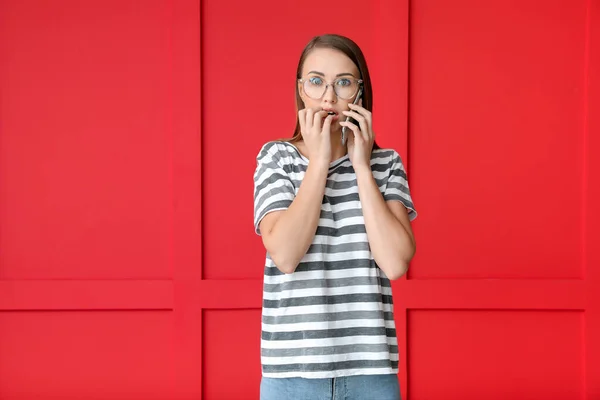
293 232
391 244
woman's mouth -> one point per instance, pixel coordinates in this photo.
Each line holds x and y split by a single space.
334 114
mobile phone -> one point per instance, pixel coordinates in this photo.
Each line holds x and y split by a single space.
349 119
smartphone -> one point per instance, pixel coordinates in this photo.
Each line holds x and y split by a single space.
349 119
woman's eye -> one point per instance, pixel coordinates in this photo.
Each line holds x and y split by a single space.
344 82
315 81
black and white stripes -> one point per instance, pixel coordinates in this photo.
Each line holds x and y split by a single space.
334 315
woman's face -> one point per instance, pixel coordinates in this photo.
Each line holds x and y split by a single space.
323 69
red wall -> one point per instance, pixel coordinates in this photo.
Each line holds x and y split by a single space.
128 134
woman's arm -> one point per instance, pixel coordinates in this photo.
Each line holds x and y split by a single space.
387 225
288 234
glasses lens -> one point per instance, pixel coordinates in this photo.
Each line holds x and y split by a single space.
314 87
345 88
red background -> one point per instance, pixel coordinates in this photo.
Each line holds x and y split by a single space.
129 268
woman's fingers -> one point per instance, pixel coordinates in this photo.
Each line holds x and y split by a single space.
309 119
318 120
361 110
365 129
302 120
314 118
364 112
327 124
357 134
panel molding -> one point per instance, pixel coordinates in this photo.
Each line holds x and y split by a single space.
86 295
492 294
217 294
391 108
591 200
186 178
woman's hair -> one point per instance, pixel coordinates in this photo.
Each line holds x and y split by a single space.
352 51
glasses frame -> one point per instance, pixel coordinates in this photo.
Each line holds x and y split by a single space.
327 84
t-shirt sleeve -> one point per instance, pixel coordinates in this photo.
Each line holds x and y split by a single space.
273 188
397 186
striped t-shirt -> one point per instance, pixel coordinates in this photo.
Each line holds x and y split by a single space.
333 316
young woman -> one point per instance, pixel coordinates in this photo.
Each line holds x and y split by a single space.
334 217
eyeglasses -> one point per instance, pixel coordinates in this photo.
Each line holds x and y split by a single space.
344 87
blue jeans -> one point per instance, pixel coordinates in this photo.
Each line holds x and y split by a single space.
359 387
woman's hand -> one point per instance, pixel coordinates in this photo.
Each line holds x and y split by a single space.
360 142
315 126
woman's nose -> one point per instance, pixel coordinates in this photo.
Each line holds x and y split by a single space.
330 95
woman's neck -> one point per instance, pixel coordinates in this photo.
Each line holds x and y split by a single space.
338 150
